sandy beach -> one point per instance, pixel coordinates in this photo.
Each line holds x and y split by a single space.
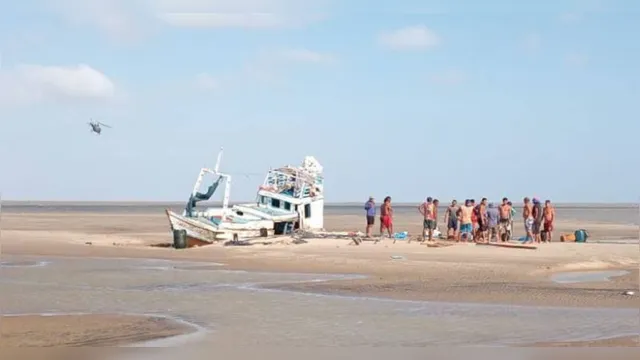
463 273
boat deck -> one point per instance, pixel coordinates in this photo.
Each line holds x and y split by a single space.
216 220
270 211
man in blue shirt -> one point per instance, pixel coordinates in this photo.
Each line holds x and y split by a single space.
370 207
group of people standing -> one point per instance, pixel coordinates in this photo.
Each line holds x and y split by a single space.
483 222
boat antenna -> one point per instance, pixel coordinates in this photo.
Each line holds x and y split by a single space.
218 161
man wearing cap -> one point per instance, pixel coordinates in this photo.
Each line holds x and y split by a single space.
429 223
370 207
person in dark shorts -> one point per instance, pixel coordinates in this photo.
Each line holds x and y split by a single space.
428 213
537 220
481 214
436 203
505 220
451 219
370 207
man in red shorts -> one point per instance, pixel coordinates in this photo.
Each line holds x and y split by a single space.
474 217
386 217
549 214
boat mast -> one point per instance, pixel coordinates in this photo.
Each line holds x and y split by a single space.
196 187
227 190
218 161
227 181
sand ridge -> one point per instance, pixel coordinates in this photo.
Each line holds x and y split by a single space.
85 330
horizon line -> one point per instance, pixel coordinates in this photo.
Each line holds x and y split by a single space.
167 202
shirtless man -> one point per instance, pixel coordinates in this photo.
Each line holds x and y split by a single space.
527 216
436 203
481 215
466 227
549 214
505 220
386 217
513 216
427 209
451 219
474 216
537 220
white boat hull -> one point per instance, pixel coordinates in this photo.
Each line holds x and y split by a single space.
207 233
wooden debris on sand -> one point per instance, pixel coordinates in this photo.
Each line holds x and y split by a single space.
356 237
438 244
509 245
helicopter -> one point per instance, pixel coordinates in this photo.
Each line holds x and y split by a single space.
95 126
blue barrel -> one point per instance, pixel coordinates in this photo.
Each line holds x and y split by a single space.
581 235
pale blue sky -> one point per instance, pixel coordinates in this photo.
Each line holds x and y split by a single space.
402 98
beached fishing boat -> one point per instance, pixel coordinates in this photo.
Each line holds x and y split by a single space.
290 198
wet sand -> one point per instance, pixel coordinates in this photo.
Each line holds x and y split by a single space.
84 330
623 341
460 273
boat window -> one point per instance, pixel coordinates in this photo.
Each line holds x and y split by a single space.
263 199
307 211
275 203
287 205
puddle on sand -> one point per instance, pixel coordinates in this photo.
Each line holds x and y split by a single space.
586 276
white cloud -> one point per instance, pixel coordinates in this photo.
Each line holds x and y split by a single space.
308 56
205 81
238 13
218 20
131 19
122 20
26 84
413 37
449 77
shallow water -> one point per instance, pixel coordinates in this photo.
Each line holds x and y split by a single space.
586 276
233 308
